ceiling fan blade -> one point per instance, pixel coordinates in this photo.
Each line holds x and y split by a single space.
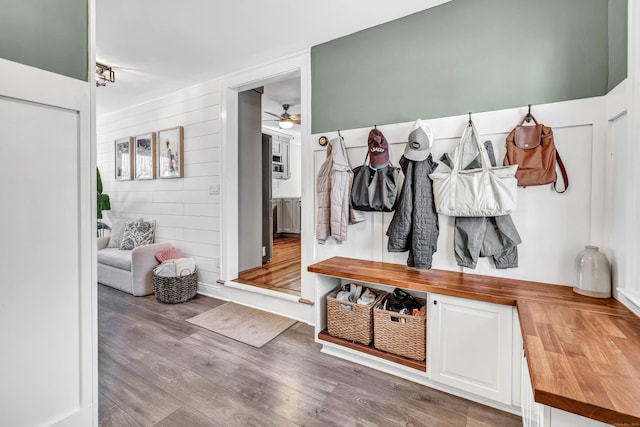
271 114
295 118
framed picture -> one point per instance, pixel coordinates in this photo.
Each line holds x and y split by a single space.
145 158
124 158
170 153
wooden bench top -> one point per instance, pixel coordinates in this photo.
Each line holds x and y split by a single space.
583 353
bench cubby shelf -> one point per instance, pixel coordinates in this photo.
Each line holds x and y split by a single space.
475 312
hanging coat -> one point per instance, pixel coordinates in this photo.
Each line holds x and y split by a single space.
333 189
414 226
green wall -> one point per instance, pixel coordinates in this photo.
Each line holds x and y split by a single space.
617 42
46 34
465 55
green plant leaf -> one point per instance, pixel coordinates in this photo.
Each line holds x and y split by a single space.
103 202
99 186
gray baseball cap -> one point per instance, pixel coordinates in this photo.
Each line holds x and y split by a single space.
419 143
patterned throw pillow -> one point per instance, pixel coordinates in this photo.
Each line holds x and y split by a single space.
138 234
117 231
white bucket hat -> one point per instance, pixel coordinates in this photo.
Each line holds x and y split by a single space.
419 142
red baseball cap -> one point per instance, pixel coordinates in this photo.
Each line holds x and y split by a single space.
378 148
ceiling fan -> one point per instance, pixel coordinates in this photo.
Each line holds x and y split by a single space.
286 120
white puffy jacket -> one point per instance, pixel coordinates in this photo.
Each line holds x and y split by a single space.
333 188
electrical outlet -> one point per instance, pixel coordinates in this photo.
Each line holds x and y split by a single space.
214 189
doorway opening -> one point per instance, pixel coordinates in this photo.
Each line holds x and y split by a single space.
270 186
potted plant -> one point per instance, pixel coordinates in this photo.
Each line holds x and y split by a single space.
103 204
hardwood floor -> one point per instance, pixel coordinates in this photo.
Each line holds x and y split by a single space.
282 273
156 369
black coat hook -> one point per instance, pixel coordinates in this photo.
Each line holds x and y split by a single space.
529 115
470 119
339 133
375 126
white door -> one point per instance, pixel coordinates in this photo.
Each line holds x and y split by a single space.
48 306
470 346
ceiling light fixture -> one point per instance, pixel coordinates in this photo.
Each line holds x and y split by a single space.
285 124
104 74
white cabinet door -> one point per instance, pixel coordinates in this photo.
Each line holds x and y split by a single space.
286 171
470 346
275 147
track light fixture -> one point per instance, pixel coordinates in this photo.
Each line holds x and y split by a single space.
104 74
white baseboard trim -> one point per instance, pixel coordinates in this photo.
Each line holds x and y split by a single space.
631 299
262 291
80 417
251 296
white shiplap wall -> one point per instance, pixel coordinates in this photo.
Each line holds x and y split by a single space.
185 209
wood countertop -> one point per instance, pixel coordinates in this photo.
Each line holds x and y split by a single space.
583 361
583 353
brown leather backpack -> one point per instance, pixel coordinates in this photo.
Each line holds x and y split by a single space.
533 150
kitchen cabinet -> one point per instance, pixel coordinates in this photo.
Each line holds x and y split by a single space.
280 159
536 415
470 346
288 215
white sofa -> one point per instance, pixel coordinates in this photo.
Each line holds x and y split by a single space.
129 271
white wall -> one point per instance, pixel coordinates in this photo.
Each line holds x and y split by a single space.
186 211
553 227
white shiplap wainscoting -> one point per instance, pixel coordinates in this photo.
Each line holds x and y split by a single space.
553 227
186 209
619 214
626 137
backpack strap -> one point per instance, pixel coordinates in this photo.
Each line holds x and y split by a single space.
565 177
528 118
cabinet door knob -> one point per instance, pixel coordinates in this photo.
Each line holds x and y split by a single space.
435 302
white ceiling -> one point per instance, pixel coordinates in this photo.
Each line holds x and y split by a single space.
159 46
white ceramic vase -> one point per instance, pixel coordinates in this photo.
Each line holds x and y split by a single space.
592 273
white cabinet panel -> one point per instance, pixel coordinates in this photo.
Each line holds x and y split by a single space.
537 415
533 414
516 354
470 346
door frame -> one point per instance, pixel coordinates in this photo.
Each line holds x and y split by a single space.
299 63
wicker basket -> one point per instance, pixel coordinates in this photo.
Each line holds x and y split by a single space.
355 324
401 334
173 290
